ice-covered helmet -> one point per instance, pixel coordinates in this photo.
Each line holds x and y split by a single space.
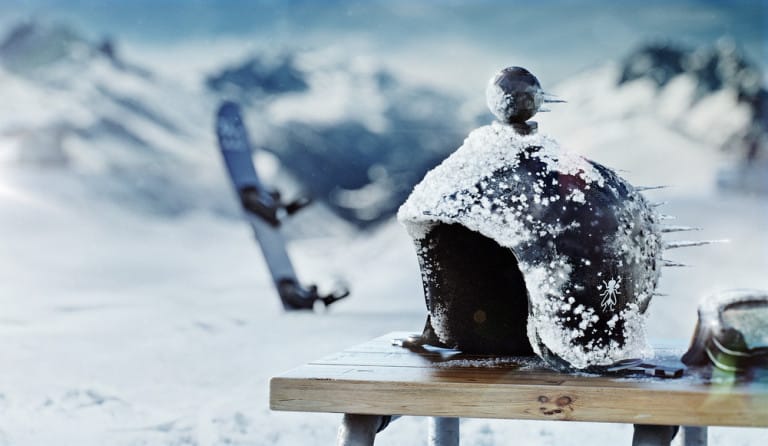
528 248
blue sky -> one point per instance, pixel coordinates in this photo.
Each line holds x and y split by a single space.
178 19
576 33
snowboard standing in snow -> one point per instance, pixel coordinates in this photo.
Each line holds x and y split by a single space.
264 210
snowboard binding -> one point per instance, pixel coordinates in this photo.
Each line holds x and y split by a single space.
296 297
269 206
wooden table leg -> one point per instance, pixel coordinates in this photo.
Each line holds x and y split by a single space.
359 430
443 431
695 435
653 435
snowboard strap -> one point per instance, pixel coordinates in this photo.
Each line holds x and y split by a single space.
268 206
296 297
296 205
263 205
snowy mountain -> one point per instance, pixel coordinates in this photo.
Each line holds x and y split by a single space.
355 135
360 138
713 82
259 77
135 139
720 69
667 124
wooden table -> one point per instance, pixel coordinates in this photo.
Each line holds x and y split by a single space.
371 381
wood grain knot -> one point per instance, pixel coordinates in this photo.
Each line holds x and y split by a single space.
560 405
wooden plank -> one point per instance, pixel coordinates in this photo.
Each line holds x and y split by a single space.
464 393
378 378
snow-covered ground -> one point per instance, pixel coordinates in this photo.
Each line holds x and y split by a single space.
118 329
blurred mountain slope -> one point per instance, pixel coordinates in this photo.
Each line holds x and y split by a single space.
355 135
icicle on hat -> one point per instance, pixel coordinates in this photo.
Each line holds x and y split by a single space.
527 248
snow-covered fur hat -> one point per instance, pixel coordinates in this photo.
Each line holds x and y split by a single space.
527 248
